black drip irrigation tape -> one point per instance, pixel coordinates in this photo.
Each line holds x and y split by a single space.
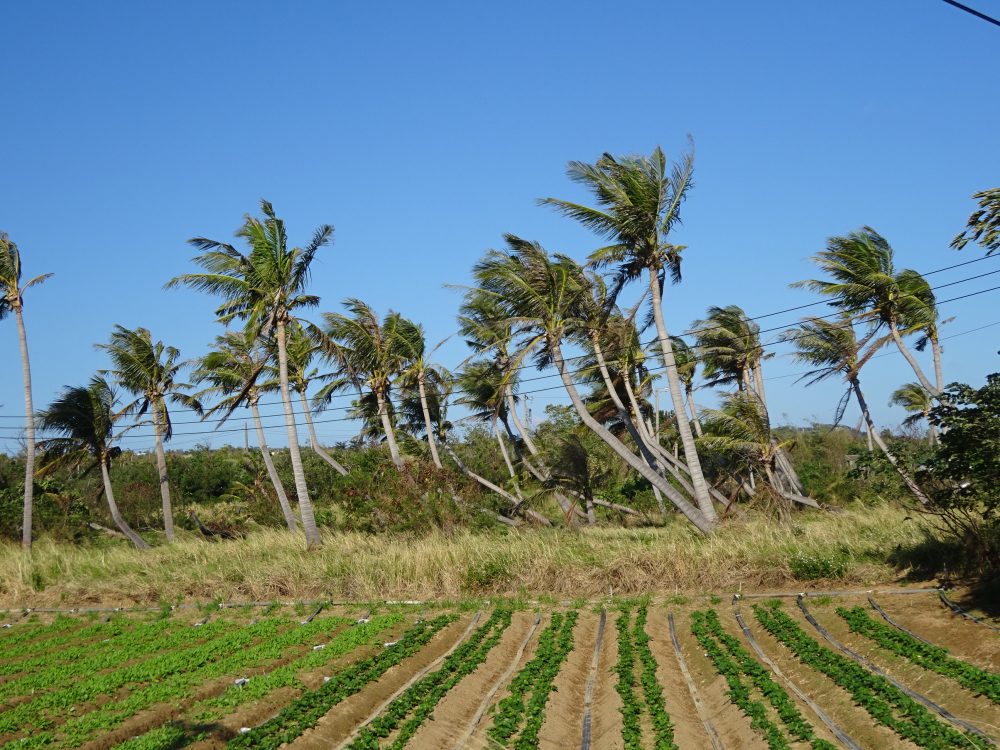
313 616
959 611
900 628
790 595
713 736
588 696
940 710
840 734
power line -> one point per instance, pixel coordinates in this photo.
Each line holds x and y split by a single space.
973 11
560 385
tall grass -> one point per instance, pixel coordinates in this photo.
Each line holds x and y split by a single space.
851 547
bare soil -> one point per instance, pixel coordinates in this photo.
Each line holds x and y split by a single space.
606 717
563 724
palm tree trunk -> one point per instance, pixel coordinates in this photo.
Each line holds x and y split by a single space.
908 355
498 490
525 436
506 460
694 415
29 436
428 427
932 434
116 516
279 488
683 427
784 463
390 436
911 485
936 353
692 513
623 414
313 538
161 470
314 441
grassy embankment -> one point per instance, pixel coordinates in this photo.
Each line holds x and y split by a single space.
848 548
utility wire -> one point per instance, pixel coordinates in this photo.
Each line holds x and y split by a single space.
644 347
559 386
973 11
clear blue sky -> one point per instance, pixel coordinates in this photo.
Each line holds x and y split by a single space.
423 131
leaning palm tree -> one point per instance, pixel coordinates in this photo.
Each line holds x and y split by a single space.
235 373
640 200
12 300
371 354
85 419
265 288
919 314
148 370
864 283
418 376
687 365
832 348
543 300
301 374
983 226
917 402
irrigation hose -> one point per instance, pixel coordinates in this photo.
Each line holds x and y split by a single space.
958 610
940 710
588 696
900 628
713 736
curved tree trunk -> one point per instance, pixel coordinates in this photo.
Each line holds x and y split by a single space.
390 436
29 436
506 460
279 488
692 513
911 485
314 441
908 355
427 421
498 490
525 436
702 496
161 470
313 538
116 516
688 395
633 431
784 463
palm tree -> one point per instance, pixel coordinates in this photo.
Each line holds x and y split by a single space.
864 284
919 314
983 225
419 375
264 288
12 300
729 347
542 298
301 351
640 201
917 401
234 370
85 418
832 348
371 354
687 365
148 370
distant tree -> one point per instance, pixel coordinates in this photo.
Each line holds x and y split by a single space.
85 419
12 300
265 288
915 399
148 370
983 226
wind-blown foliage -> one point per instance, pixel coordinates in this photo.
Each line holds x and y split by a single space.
983 226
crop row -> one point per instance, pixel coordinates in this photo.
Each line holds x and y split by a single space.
209 711
930 657
46 671
408 711
168 677
734 662
18 635
631 708
304 712
523 710
663 728
68 630
884 702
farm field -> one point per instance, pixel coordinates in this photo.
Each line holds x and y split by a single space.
886 670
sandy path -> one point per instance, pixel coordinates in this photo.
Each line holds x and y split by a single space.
606 726
564 711
350 713
688 729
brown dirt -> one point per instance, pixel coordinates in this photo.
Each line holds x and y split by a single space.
564 712
733 727
447 725
977 710
606 717
928 618
340 722
689 732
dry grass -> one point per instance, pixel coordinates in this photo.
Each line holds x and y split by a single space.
849 548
